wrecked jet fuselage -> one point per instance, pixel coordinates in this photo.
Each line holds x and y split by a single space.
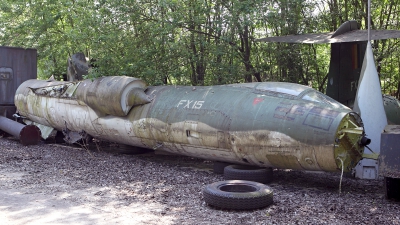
268 124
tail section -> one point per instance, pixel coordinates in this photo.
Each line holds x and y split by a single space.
369 105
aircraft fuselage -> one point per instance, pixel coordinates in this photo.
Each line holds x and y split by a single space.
268 124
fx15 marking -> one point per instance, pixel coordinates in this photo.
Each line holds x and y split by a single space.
190 104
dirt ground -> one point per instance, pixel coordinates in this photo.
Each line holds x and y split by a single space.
55 184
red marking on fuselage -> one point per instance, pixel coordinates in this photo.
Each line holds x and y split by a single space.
257 100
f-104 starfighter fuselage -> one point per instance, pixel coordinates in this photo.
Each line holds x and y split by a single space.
269 124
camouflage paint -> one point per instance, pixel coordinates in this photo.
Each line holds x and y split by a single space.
270 124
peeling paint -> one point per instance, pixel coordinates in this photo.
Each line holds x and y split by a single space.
227 123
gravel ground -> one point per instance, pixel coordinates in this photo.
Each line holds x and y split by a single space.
55 184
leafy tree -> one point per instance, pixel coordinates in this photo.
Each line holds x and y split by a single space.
193 42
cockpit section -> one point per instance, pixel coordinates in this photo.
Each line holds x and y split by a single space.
291 91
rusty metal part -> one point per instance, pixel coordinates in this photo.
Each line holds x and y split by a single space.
348 137
27 134
44 130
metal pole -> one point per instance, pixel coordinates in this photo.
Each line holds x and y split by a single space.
27 134
369 20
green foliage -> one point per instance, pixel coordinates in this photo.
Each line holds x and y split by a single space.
192 42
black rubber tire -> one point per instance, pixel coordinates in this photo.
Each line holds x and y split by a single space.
250 173
238 194
220 166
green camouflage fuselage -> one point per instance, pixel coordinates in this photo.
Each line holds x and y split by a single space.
268 124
